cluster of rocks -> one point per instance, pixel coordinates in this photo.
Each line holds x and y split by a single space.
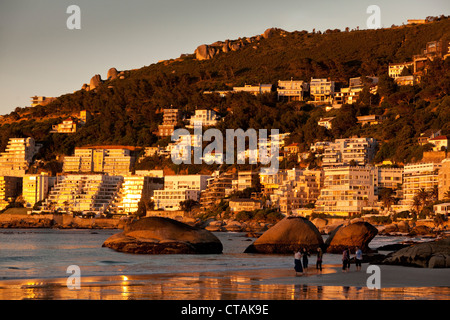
408 228
28 223
155 235
96 80
293 233
206 52
433 254
230 225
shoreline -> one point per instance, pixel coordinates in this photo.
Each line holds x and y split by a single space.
397 282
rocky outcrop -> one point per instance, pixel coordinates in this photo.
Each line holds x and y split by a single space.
95 82
434 254
287 236
156 235
356 234
206 52
320 224
112 74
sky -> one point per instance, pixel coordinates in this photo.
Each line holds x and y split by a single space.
40 55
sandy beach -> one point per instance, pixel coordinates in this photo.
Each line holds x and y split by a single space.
399 283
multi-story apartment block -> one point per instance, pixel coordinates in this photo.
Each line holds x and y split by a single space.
433 49
170 119
216 188
35 188
132 191
245 179
326 122
391 178
347 190
419 176
203 118
115 160
17 156
41 100
371 119
444 179
321 90
292 90
343 151
67 126
10 188
178 188
296 189
83 193
255 90
237 205
439 143
395 69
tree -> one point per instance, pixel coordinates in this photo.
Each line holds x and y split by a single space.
387 197
188 205
447 194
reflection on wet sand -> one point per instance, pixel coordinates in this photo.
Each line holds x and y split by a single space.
263 284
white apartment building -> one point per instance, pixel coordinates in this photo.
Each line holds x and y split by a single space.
322 90
115 160
17 157
83 193
178 188
419 176
35 188
395 69
296 189
133 189
391 178
444 179
9 189
255 90
291 90
342 151
204 118
347 190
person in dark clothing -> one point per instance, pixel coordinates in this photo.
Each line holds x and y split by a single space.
305 255
345 259
319 259
297 262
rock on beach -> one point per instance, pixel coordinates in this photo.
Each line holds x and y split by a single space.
157 235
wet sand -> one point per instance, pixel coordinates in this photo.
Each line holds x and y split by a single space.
399 283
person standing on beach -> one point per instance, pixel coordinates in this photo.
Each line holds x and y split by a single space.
358 258
319 259
297 262
345 259
305 255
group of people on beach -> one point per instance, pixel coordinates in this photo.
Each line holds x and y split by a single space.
346 259
301 260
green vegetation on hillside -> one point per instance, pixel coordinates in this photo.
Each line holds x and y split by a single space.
127 111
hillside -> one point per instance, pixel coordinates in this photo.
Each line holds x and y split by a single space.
126 111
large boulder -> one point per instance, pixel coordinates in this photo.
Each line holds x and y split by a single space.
156 235
287 236
112 74
433 254
205 52
95 82
353 235
421 230
320 224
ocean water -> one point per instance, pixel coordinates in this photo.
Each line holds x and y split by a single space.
47 253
